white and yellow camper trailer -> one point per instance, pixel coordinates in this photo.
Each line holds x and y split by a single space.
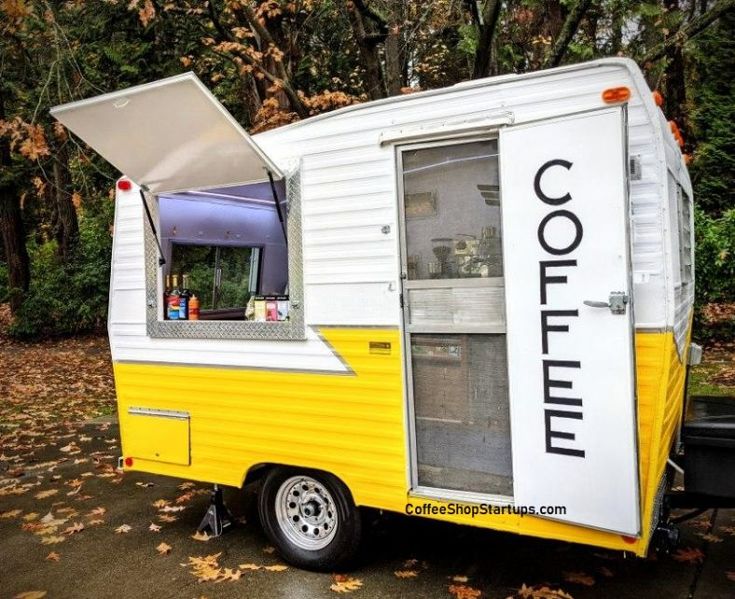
463 303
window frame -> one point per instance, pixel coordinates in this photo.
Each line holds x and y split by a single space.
290 330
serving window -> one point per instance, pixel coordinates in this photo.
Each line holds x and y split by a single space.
229 263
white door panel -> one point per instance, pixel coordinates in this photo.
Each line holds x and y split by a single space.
571 365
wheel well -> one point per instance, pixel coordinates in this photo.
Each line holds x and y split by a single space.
258 472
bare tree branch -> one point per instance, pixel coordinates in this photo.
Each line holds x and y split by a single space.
689 30
568 30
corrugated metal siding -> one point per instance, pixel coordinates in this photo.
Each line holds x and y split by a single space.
660 389
240 418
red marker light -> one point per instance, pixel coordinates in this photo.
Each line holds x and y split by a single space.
629 540
124 185
129 462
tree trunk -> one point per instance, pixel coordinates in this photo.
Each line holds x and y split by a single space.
484 54
566 35
367 44
674 86
67 231
393 66
11 227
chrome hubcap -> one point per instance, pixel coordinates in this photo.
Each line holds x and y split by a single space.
306 512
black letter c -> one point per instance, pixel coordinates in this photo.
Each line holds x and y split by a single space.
537 182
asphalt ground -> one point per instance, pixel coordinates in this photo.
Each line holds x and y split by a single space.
69 472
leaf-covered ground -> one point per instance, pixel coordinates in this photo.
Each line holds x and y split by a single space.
72 525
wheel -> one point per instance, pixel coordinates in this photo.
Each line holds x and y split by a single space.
310 518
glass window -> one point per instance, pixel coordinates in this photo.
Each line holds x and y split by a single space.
452 211
685 235
222 277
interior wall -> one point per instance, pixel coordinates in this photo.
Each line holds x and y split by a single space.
216 220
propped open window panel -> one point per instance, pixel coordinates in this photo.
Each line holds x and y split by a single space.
167 136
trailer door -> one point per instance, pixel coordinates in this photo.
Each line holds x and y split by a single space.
169 135
570 319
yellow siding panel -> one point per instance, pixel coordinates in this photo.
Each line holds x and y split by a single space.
353 425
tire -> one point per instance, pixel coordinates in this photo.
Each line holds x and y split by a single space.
310 517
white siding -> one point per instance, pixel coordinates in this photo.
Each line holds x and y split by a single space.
349 198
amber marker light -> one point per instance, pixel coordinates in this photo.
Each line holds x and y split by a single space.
615 95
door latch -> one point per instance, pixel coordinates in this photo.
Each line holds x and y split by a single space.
617 302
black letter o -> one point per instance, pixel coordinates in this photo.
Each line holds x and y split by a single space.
537 182
577 232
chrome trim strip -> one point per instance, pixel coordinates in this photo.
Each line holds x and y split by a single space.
454 283
459 496
175 414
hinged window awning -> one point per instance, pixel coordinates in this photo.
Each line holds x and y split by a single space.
169 135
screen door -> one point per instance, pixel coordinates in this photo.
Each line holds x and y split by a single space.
454 317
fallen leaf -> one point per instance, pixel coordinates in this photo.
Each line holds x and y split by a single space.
689 555
459 579
200 536
406 573
30 595
163 549
542 592
175 508
30 517
154 527
712 538
73 529
167 518
160 503
125 528
462 591
95 522
45 494
186 485
607 572
98 511
145 485
579 578
53 557
52 540
269 549
11 514
345 584
276 568
229 574
249 567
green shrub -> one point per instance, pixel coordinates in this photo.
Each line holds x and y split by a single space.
71 297
715 256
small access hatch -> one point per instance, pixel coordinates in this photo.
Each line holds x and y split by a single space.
157 435
169 135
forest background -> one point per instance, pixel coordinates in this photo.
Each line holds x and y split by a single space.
277 61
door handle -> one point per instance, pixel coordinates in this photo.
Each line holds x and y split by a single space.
617 302
595 304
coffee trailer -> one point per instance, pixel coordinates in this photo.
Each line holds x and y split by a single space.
486 297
